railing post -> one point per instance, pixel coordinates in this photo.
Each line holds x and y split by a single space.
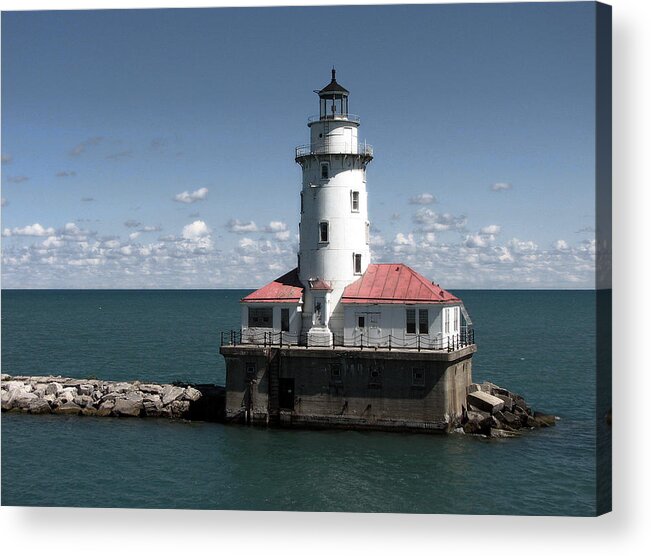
418 338
389 342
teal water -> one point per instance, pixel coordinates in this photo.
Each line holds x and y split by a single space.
539 343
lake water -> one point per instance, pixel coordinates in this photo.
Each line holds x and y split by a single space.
541 344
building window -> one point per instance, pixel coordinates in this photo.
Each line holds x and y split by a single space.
423 321
375 377
361 321
368 233
284 320
261 317
418 377
298 261
446 321
456 319
354 201
250 370
324 171
411 321
301 202
357 263
323 232
335 372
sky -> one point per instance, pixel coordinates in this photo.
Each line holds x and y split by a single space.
155 148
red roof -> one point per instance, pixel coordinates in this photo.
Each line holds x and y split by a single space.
319 284
286 289
395 283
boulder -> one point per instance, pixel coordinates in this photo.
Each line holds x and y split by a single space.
509 419
12 385
39 406
501 433
477 422
171 393
153 405
68 408
121 387
151 388
191 394
508 402
473 388
54 388
6 396
544 420
84 401
89 411
485 402
487 387
22 400
106 408
4 377
127 408
179 409
85 389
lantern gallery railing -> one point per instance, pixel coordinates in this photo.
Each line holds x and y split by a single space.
359 340
334 147
346 117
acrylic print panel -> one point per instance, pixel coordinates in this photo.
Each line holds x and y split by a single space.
172 338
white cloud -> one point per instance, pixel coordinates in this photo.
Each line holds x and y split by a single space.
492 230
275 226
423 199
501 186
475 240
430 221
34 230
561 245
237 227
81 147
198 229
191 197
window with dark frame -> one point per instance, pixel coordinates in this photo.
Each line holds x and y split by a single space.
284 320
324 171
301 202
423 321
411 321
357 263
260 317
354 201
250 370
418 377
323 232
361 321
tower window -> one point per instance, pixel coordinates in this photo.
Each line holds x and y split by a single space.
354 201
418 377
357 263
324 171
368 233
301 202
323 232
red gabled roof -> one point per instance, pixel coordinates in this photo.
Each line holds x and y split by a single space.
395 283
286 289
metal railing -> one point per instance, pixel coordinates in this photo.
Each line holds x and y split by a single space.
358 340
337 117
334 147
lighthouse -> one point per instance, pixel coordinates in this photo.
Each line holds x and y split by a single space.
334 227
340 340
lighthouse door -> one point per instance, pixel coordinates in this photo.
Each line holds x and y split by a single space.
368 328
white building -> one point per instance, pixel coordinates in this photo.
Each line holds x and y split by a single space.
335 295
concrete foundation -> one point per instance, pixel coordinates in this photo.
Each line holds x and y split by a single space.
340 387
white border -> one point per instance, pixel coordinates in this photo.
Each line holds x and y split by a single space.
54 531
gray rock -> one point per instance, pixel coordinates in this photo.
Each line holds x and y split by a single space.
22 400
508 402
12 385
5 376
544 420
501 433
89 411
83 401
485 402
85 389
473 388
171 393
191 394
151 388
39 406
179 408
487 387
69 408
509 419
54 388
127 408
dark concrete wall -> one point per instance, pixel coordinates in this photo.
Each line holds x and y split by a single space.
354 389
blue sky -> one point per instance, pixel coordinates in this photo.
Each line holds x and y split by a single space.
154 148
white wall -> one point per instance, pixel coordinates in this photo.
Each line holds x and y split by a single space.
392 321
256 334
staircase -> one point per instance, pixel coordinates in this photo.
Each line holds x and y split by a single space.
273 374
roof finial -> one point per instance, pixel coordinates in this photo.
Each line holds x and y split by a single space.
333 73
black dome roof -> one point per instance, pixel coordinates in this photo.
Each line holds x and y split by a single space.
332 87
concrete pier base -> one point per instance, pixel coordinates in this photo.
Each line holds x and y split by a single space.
341 387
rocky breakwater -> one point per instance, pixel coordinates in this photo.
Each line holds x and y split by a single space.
496 412
102 398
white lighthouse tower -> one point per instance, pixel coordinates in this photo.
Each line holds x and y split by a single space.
334 229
